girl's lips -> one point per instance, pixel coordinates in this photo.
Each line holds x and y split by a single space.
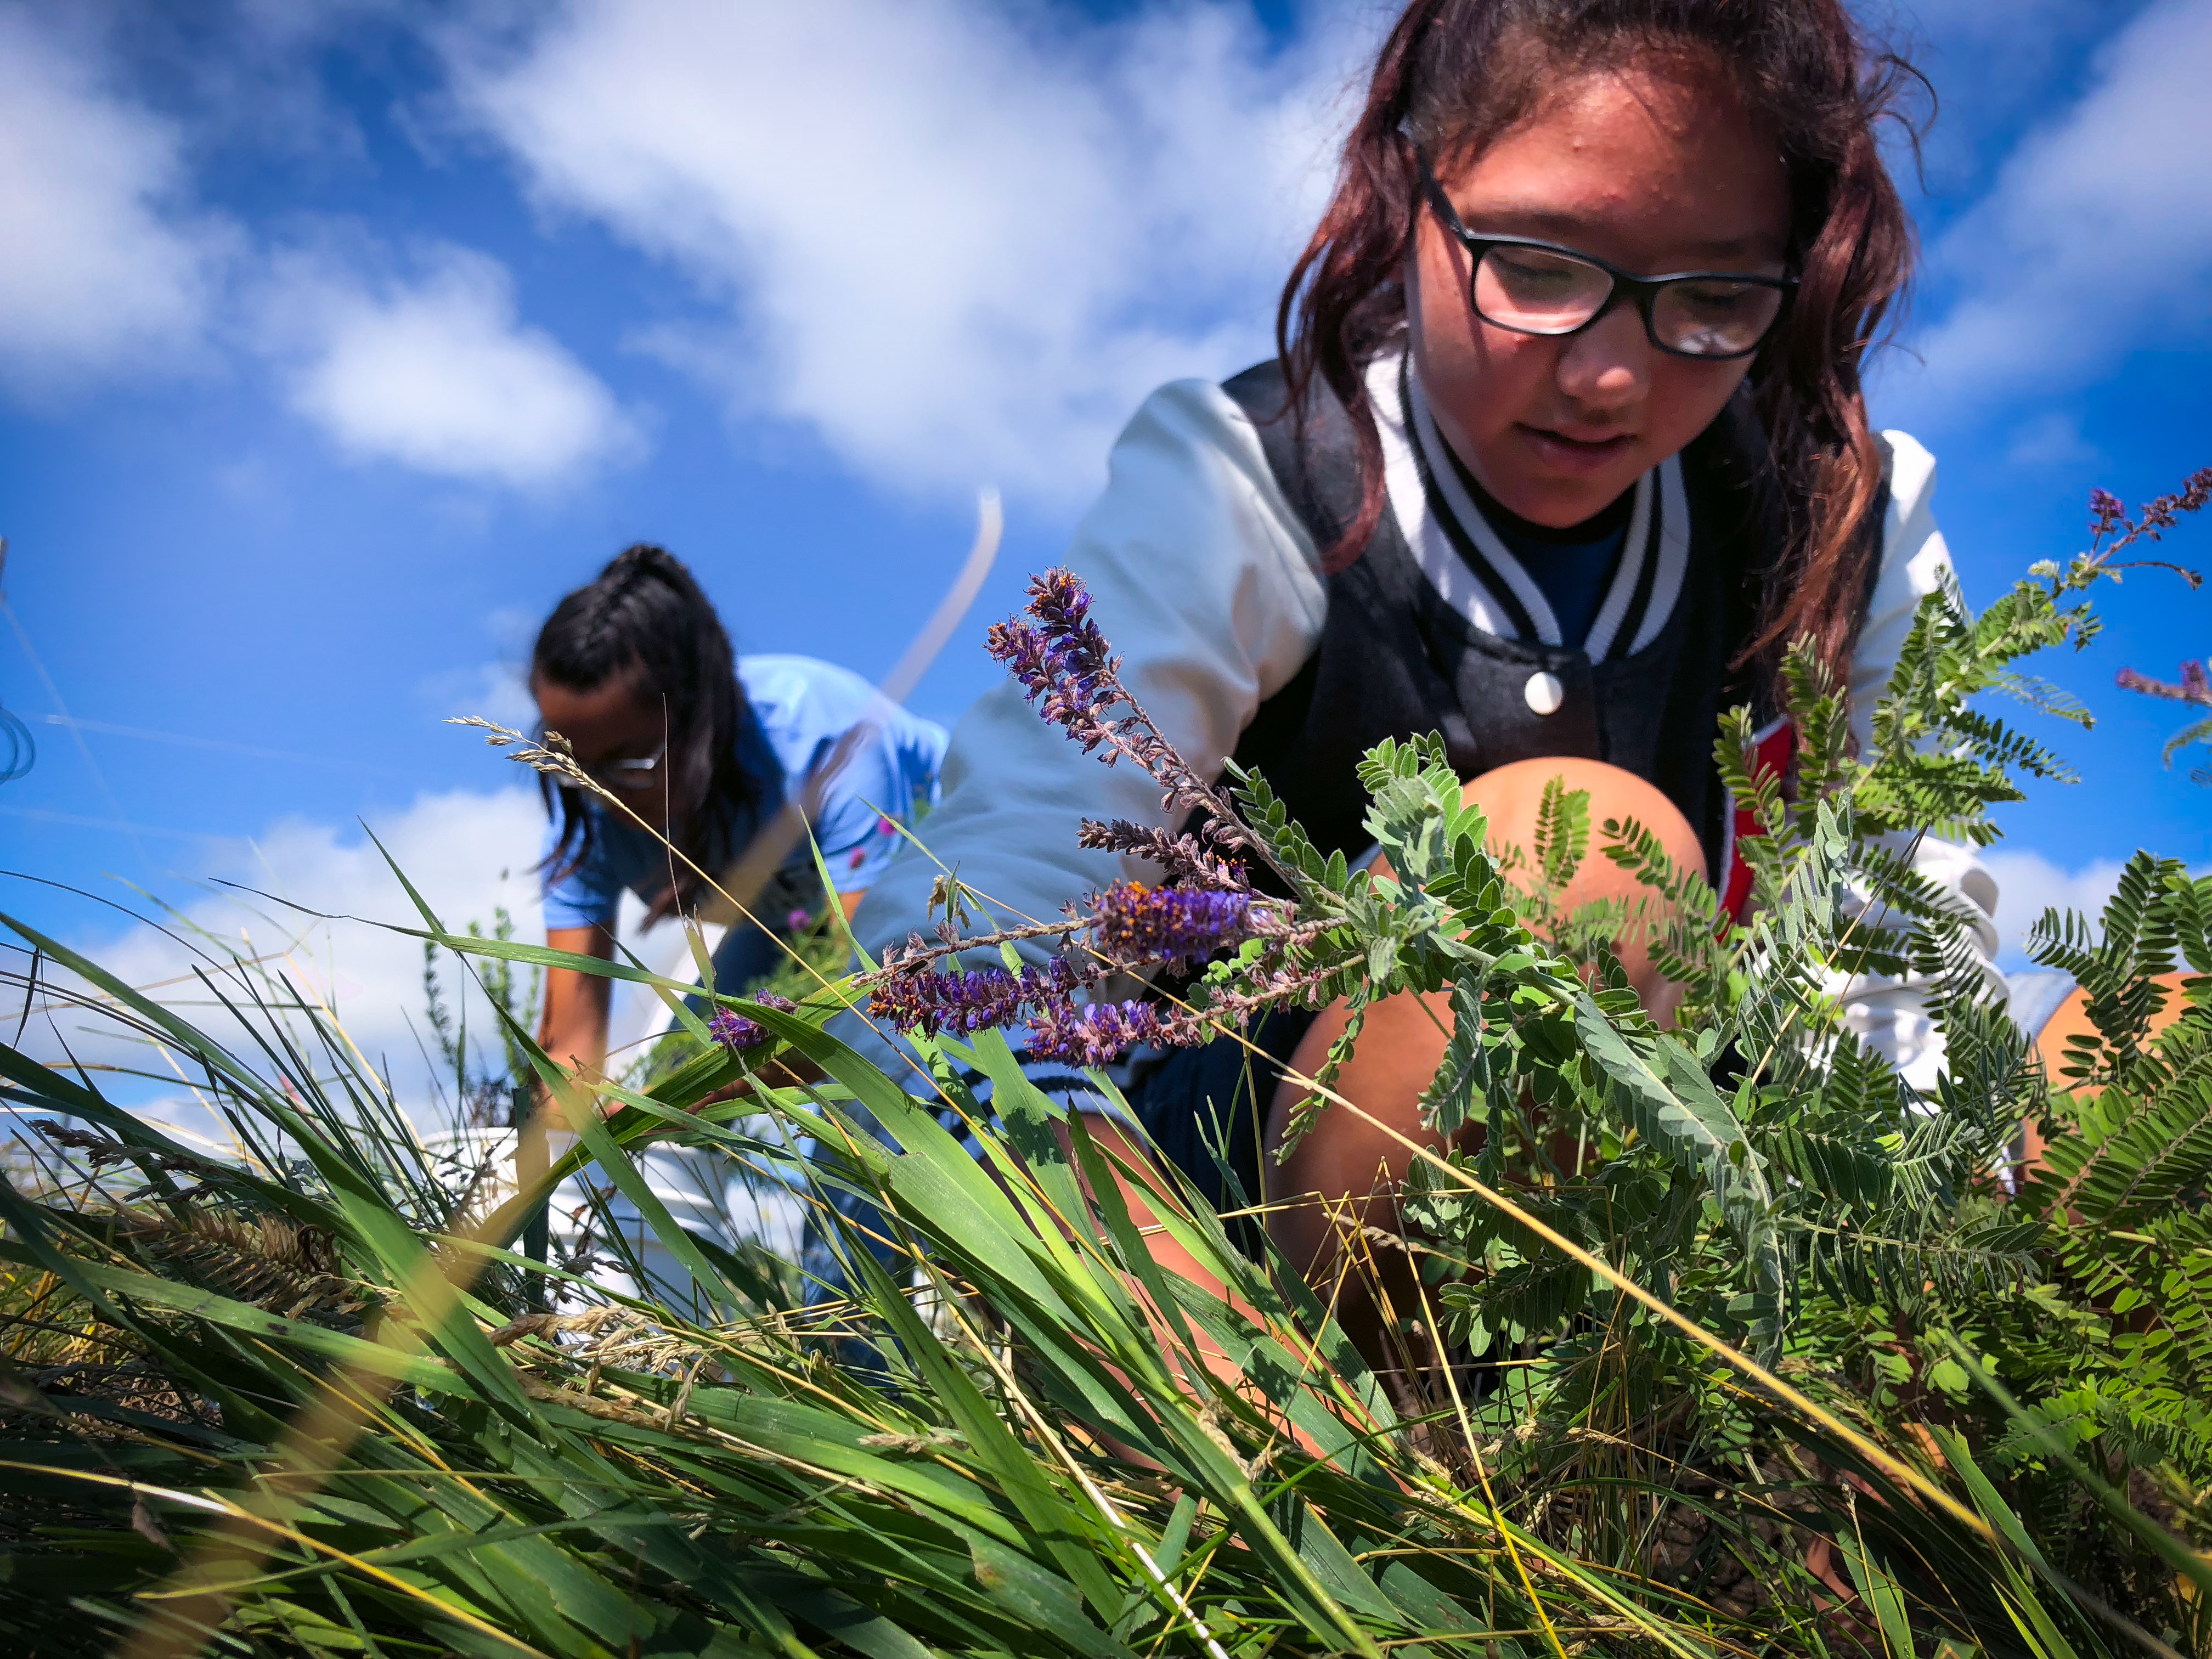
1581 456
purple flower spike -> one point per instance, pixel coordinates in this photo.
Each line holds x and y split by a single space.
1025 653
928 1001
733 1030
1064 666
1061 660
1138 926
1096 1035
1062 605
2105 511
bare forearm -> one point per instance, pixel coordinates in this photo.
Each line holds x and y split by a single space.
573 1030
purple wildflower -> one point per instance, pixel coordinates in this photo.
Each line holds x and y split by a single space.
2195 493
1025 652
1062 663
1097 1034
930 1000
1138 926
1076 702
1188 861
2105 512
1059 601
2194 686
733 1030
1061 660
2109 517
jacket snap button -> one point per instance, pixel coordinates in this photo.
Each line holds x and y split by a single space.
1544 692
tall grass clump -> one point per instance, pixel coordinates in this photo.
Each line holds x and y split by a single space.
1786 1357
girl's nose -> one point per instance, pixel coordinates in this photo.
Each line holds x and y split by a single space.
1607 366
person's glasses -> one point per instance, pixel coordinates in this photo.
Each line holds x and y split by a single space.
629 773
1538 288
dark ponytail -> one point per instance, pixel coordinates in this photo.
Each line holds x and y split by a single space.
645 619
1455 74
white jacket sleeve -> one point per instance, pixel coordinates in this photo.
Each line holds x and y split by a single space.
1209 588
1888 1015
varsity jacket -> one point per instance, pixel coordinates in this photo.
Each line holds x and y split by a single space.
1203 559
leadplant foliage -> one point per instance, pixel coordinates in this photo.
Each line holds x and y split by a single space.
1736 1340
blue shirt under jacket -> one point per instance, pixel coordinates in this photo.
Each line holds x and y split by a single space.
800 708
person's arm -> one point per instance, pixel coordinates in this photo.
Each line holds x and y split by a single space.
572 1029
1890 1016
1210 590
580 897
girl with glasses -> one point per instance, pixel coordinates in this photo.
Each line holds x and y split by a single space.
1564 445
635 672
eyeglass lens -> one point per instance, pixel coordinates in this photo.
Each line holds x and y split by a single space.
1537 291
627 774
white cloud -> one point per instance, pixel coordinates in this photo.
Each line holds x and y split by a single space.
2097 235
2029 884
497 690
437 374
958 244
1993 64
2052 441
105 270
466 852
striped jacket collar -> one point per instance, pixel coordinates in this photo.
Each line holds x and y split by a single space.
1468 563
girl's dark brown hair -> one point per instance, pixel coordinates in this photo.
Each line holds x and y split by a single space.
1455 74
644 616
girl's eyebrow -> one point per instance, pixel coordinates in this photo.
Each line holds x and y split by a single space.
1549 225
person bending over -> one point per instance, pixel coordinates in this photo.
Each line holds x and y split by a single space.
1563 446
734 760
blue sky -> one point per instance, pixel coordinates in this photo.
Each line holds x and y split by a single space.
336 344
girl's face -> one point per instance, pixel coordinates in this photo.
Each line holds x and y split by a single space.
612 729
1654 170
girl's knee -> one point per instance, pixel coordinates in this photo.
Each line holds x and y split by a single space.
1405 1035
1512 796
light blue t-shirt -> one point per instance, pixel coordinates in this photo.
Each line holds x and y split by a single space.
802 707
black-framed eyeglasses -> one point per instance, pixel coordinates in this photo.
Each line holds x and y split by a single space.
1540 288
630 773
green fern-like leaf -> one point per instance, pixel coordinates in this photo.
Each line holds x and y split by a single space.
1562 834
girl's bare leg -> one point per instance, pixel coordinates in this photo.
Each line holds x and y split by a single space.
1342 1176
